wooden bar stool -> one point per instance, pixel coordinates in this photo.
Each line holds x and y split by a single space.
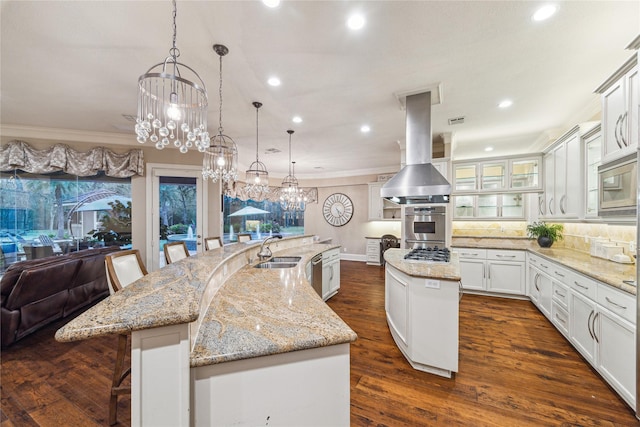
123 268
175 251
212 243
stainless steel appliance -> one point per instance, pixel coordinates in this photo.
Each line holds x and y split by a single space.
424 226
618 187
430 254
316 274
419 181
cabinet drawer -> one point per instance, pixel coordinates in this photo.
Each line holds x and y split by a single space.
506 255
330 255
583 285
469 253
559 273
619 302
373 249
560 295
560 318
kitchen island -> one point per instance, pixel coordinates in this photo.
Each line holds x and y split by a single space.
216 341
421 304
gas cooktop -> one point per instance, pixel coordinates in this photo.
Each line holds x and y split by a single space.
431 254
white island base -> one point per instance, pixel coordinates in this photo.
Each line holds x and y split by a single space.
422 314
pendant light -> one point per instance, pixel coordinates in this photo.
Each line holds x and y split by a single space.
291 195
172 104
257 176
221 157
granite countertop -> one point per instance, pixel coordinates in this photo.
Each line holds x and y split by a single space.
268 311
430 270
605 271
253 312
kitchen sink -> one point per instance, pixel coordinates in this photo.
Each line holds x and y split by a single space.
293 259
275 264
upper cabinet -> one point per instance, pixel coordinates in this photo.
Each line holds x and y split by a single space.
381 209
497 175
593 156
620 112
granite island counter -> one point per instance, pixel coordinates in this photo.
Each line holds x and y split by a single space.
216 341
421 304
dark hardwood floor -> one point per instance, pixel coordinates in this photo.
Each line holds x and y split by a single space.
515 370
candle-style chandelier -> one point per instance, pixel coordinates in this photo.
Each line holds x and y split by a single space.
221 157
292 197
171 107
257 176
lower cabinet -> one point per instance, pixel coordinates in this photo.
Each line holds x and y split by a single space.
495 271
596 318
373 251
330 273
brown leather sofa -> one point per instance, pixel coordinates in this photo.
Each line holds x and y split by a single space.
37 292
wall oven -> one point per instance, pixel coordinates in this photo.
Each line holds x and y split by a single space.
424 226
617 187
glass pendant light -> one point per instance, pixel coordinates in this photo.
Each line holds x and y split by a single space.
257 176
221 157
172 104
292 197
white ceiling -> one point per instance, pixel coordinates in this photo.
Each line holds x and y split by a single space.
74 65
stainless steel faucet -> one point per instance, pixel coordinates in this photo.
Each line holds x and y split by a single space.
265 252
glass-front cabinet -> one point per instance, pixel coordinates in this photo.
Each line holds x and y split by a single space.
503 174
489 206
593 153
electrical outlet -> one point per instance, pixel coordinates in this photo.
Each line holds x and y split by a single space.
344 249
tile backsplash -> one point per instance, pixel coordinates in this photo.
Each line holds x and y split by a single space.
576 235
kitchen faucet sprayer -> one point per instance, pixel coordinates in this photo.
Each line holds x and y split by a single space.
265 252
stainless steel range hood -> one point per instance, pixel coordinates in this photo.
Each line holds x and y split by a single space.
419 181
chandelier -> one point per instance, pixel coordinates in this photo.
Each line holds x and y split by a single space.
171 107
257 176
221 155
292 197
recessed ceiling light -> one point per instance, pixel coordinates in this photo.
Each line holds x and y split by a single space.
545 12
355 22
506 103
488 149
271 3
364 128
273 81
296 119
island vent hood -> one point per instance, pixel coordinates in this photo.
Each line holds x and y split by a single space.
419 182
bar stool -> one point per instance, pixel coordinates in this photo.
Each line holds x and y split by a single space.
123 268
175 251
244 237
212 243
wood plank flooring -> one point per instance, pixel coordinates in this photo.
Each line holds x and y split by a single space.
515 369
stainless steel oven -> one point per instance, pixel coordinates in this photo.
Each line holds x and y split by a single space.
424 226
617 187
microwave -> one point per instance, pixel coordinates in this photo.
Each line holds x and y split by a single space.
618 187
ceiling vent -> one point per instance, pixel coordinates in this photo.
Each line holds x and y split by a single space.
131 118
272 151
456 120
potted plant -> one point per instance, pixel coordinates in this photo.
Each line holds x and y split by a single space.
545 233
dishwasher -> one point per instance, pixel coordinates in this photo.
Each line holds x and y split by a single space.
316 274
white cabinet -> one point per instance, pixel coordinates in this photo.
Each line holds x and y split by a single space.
620 111
593 156
381 209
494 271
373 251
330 273
497 175
563 177
422 315
489 206
596 318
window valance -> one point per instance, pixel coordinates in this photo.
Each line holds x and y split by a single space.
60 157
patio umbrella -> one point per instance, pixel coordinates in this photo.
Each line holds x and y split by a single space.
103 204
249 210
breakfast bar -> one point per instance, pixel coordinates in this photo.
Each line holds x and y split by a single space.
216 341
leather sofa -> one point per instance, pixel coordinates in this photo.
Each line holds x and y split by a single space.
37 292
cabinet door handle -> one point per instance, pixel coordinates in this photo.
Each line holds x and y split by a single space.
589 324
623 139
559 294
616 304
544 266
460 290
468 254
562 204
505 256
484 274
593 323
563 321
489 272
558 273
535 281
540 205
615 131
580 286
550 203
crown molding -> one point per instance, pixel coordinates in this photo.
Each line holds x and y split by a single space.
66 135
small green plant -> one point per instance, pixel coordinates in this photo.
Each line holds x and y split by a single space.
547 232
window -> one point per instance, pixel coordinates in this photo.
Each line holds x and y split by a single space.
61 210
261 219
